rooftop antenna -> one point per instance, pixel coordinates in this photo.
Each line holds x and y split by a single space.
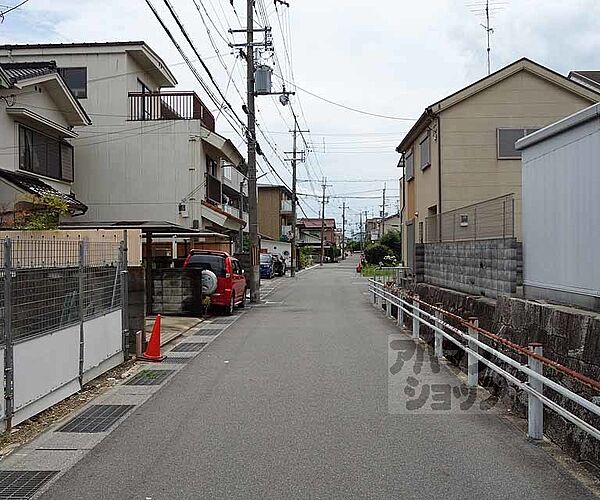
488 31
486 10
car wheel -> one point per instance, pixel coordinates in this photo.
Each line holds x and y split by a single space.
231 307
243 302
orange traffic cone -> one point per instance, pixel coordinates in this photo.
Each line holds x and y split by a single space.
153 348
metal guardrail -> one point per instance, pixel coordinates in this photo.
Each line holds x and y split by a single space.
469 342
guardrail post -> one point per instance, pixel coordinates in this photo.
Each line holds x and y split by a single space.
400 318
388 307
473 362
415 331
374 288
439 350
535 408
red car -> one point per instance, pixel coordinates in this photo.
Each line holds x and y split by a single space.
231 282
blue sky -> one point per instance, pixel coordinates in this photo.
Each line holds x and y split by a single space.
392 57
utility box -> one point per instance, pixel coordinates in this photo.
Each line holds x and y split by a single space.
262 79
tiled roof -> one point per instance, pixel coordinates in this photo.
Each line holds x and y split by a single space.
316 223
23 71
37 187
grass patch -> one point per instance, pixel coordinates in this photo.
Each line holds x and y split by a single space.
370 270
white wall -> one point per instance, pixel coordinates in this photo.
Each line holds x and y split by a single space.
561 211
278 247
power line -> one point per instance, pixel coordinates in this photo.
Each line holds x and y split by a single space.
349 108
4 12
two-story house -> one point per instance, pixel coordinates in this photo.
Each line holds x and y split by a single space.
462 151
151 154
310 231
38 115
275 212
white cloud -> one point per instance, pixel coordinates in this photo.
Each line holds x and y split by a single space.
390 57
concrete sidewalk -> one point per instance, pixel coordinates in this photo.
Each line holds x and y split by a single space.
172 327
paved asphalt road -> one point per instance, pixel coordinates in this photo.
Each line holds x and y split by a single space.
301 411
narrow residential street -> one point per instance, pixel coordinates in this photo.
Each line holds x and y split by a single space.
292 401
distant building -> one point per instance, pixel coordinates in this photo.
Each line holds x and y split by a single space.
461 150
275 212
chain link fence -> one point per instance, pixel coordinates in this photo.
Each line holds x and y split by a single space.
489 219
50 284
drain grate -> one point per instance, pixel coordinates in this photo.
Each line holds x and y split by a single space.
97 418
173 359
23 484
209 331
230 319
189 347
150 377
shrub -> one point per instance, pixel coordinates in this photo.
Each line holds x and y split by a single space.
375 253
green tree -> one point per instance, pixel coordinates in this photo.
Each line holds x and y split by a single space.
393 240
375 252
45 213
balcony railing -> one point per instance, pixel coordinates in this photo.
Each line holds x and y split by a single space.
153 106
286 206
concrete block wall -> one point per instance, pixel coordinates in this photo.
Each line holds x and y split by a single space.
485 267
136 308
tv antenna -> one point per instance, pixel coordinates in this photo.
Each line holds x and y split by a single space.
486 10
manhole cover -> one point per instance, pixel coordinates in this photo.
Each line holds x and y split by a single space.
209 331
173 359
149 377
97 418
189 347
22 484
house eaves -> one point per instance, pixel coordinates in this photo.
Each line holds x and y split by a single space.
148 60
60 93
5 81
523 64
225 146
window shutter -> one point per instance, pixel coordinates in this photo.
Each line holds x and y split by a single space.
67 167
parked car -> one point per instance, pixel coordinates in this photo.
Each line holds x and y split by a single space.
267 266
279 264
231 281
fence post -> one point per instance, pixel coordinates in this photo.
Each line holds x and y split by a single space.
504 218
472 361
9 385
416 325
439 350
125 294
81 291
535 408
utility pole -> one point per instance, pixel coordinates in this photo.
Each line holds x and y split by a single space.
344 230
362 241
383 214
294 198
252 190
323 222
294 160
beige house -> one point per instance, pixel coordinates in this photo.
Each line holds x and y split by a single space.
462 149
275 212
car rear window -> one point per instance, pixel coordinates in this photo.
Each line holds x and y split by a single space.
265 259
214 263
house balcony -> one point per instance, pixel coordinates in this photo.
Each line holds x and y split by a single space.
286 207
156 106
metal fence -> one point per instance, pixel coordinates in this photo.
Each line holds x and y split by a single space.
49 284
527 376
489 219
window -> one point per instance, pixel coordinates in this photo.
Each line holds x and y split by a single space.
410 168
425 146
507 137
45 155
76 80
227 171
212 167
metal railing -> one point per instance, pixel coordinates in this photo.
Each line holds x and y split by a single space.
489 219
169 106
469 342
